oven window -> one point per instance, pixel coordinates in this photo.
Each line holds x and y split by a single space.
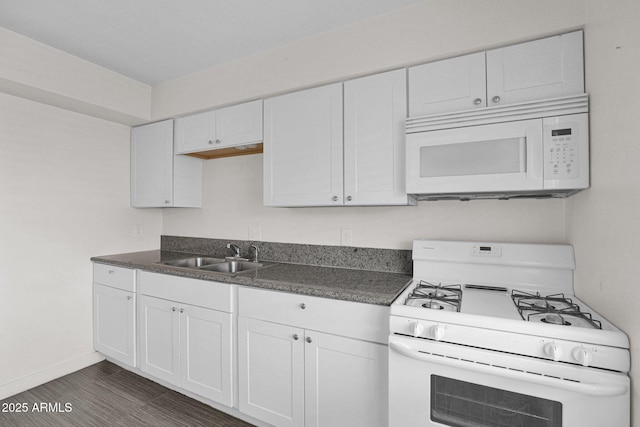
461 404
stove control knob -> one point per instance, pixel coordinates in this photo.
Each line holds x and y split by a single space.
553 350
416 329
438 332
582 356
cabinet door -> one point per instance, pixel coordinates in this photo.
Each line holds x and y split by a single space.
303 148
160 338
239 124
374 157
152 165
195 133
546 68
346 382
114 323
205 353
455 84
271 372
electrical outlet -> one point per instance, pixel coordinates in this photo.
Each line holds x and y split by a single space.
137 230
346 235
255 233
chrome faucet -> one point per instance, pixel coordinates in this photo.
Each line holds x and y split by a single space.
234 248
255 253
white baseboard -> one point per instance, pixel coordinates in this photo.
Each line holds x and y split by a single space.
38 378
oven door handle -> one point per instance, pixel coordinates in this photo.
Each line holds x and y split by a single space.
603 390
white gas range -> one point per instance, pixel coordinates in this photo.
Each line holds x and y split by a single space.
490 334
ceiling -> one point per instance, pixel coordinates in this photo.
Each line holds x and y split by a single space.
157 40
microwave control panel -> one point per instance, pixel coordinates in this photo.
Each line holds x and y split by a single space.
566 146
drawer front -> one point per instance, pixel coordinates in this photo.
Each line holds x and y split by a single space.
115 277
351 319
201 293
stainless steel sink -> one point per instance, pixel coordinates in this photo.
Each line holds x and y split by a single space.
234 266
219 265
194 262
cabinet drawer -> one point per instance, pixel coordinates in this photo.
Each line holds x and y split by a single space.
116 277
351 319
202 293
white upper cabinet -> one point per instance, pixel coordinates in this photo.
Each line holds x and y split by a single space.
303 148
158 177
316 155
454 84
375 109
546 68
226 127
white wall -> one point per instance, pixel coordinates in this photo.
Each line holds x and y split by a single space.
35 71
232 202
64 182
604 223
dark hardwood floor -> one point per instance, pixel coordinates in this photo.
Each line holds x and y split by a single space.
106 395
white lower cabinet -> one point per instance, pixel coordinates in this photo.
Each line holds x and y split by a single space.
184 344
290 375
114 302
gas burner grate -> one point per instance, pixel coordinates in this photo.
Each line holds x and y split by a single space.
555 309
436 296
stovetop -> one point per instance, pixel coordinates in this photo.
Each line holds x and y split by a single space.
556 309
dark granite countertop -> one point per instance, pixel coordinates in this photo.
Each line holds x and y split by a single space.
346 284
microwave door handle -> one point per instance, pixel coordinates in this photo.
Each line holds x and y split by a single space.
603 390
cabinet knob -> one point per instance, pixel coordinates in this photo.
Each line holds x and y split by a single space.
496 98
309 339
166 202
129 297
295 337
173 309
303 306
210 142
182 310
477 101
334 198
218 141
112 271
349 198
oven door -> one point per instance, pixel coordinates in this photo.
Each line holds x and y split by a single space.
440 384
488 158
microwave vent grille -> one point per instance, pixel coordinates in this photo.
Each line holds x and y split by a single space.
574 104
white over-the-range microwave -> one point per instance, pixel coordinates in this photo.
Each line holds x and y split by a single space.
533 149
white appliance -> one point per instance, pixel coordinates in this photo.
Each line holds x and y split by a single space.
490 335
532 149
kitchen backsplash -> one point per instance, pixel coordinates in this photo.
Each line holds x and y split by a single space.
389 260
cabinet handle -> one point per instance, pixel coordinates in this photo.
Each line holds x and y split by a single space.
303 306
218 141
477 101
210 142
166 202
496 98
182 310
296 337
112 271
334 198
173 309
349 198
129 297
309 339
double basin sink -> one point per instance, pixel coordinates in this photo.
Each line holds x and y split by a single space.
219 265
